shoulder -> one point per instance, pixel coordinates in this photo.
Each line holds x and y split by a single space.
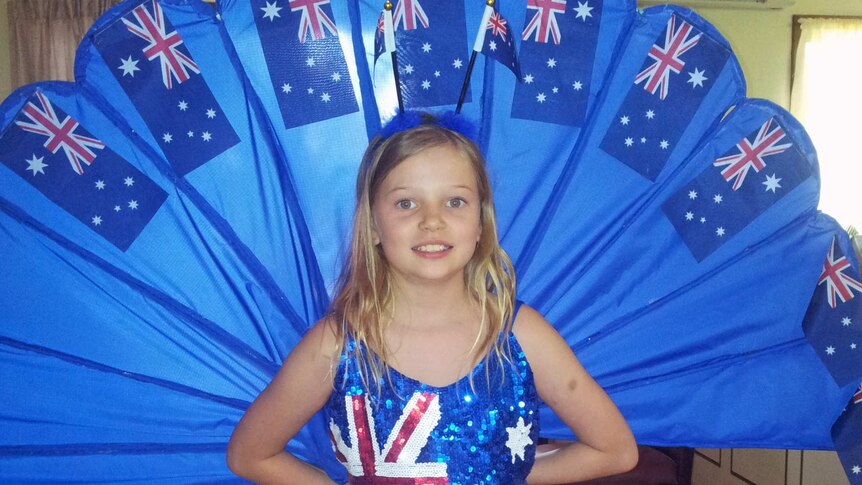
321 345
533 331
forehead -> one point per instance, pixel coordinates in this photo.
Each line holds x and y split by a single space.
442 165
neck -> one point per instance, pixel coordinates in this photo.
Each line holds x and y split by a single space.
432 304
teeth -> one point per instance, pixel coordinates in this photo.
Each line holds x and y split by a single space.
432 248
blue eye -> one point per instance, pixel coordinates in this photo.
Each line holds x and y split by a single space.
456 203
405 204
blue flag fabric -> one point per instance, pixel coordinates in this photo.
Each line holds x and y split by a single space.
500 43
559 41
61 159
846 433
307 67
680 70
379 38
830 323
156 70
731 192
431 40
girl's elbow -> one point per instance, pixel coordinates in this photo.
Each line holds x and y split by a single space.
236 462
628 457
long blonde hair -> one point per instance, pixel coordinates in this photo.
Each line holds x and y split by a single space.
364 297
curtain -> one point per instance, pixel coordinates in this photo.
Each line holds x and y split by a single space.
43 36
827 99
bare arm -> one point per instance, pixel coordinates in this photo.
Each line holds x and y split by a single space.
606 445
298 391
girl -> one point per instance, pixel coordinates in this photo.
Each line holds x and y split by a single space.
428 370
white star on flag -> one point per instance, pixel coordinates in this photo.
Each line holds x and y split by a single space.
35 165
771 183
697 78
271 11
129 66
583 11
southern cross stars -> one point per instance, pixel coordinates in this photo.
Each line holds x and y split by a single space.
286 88
846 321
100 185
129 181
211 113
35 165
167 138
182 105
129 66
457 63
830 350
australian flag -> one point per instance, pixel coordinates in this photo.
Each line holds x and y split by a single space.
679 71
833 322
847 436
736 188
556 60
157 72
306 64
499 43
78 172
431 40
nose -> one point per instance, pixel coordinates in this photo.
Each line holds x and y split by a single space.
432 219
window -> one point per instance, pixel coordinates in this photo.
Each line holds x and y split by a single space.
826 98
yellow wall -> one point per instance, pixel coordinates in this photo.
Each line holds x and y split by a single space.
761 40
4 53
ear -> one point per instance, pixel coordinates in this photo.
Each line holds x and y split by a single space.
375 237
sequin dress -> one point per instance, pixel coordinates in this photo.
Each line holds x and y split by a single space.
431 435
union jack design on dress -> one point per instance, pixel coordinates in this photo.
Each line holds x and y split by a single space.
838 284
857 397
751 154
497 25
667 57
314 20
544 22
396 463
60 134
408 12
163 45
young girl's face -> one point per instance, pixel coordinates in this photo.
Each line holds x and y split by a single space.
426 216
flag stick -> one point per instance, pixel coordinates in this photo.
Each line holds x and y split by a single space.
389 33
477 47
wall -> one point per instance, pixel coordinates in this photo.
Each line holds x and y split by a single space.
5 82
761 40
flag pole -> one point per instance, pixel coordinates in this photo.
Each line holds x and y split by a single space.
389 39
477 47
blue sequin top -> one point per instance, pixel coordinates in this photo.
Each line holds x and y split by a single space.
413 433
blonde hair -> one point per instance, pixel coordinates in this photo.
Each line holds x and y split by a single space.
364 297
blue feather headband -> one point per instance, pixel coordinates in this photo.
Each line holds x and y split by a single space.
449 120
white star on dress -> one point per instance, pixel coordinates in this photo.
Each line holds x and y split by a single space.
336 76
702 220
696 78
167 138
183 106
719 232
853 346
287 88
846 321
856 469
129 181
426 47
207 136
271 11
583 11
426 84
190 134
629 141
310 62
519 438
718 198
624 120
129 66
577 85
771 183
117 208
310 90
528 79
35 165
552 63
325 97
97 220
689 215
100 185
540 97
650 114
830 350
692 194
457 63
436 73
555 90
408 69
664 144
133 204
211 113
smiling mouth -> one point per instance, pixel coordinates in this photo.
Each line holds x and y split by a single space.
432 248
